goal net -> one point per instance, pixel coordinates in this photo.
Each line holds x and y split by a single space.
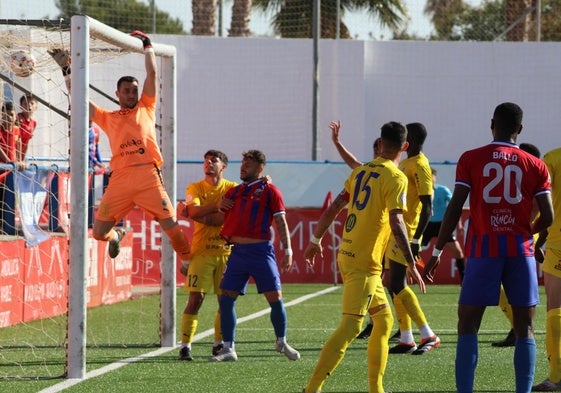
59 290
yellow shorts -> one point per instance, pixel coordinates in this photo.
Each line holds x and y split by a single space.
135 186
205 273
552 262
361 290
394 253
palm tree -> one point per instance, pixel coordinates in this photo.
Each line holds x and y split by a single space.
294 18
239 25
443 14
204 17
524 29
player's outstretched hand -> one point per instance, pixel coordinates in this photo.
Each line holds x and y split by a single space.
146 43
335 127
414 276
286 263
430 268
61 56
311 251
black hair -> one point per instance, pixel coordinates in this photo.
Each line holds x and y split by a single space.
27 97
217 153
416 133
255 155
507 118
394 135
7 107
532 149
128 78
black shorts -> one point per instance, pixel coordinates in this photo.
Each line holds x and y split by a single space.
432 231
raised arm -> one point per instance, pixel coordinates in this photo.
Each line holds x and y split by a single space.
62 58
345 154
149 87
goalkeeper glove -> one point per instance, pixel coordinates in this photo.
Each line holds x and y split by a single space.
146 43
62 58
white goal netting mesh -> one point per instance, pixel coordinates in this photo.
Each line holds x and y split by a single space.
35 208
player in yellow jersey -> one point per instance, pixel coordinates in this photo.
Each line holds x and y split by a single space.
375 194
136 158
209 252
419 209
552 277
353 162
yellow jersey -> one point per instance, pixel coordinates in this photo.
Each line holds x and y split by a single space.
418 172
206 238
373 190
553 161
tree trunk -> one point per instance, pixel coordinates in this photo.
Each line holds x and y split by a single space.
524 30
204 17
241 12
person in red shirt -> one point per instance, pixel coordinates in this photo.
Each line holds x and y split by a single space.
9 134
249 210
26 122
502 181
9 142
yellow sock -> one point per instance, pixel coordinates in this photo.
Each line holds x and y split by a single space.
505 307
334 350
217 328
378 349
552 340
189 323
403 318
411 304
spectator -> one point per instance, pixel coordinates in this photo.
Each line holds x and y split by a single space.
26 122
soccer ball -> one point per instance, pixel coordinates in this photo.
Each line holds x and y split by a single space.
22 63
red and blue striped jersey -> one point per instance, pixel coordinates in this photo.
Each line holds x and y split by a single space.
503 181
255 205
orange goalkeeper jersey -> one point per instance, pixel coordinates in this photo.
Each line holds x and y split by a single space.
131 133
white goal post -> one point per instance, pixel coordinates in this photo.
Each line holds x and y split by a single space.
83 28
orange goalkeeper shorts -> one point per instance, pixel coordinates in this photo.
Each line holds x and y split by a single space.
140 186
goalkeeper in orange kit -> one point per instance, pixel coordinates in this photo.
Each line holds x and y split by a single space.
136 158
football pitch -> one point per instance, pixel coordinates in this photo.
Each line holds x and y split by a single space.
123 355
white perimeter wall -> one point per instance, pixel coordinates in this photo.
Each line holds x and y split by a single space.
239 94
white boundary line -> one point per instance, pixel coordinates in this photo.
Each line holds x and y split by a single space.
114 366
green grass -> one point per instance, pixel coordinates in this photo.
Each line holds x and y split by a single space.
130 329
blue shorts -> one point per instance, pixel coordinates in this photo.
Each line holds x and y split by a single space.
483 278
252 260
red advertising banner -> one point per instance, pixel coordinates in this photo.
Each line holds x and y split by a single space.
46 279
115 280
11 284
34 280
302 222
